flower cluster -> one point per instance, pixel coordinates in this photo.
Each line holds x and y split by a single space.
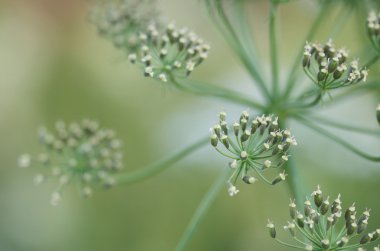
373 27
325 226
327 67
253 146
81 153
169 52
122 20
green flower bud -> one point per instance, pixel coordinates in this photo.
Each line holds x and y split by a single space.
325 244
225 142
325 206
214 140
249 179
378 113
292 209
245 136
318 199
366 238
272 229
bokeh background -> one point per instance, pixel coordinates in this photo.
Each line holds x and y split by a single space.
53 66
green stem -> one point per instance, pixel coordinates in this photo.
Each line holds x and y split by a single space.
201 211
273 48
295 184
345 126
289 245
220 19
316 24
335 138
372 61
159 166
215 91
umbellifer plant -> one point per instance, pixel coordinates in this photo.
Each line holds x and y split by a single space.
259 145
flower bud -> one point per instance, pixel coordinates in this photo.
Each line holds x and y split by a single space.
292 209
279 178
378 113
249 179
214 140
325 244
272 229
318 199
325 206
366 238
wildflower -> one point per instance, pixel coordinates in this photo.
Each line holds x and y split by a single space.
24 161
373 29
169 52
324 228
81 153
328 68
254 146
122 20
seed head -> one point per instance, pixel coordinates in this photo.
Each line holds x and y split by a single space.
319 221
326 66
254 145
81 153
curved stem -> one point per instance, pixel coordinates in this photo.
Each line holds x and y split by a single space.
222 22
335 138
201 211
215 91
159 166
372 61
345 126
273 48
323 12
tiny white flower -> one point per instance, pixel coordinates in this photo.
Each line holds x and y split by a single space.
232 190
24 161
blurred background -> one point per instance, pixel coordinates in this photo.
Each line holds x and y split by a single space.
53 66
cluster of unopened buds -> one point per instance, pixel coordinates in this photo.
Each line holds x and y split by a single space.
328 68
373 26
253 145
122 20
81 153
323 225
170 52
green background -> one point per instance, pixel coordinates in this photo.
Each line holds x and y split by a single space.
53 66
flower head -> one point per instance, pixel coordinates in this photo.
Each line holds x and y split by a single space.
373 29
122 20
326 226
328 68
169 52
81 153
255 146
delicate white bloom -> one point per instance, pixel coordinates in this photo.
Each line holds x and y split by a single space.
24 161
55 198
232 190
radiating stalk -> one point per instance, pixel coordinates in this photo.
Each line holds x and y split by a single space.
159 166
201 211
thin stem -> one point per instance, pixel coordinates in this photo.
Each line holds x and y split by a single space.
372 61
214 91
273 47
201 211
335 138
323 12
289 245
345 126
227 30
159 166
358 89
